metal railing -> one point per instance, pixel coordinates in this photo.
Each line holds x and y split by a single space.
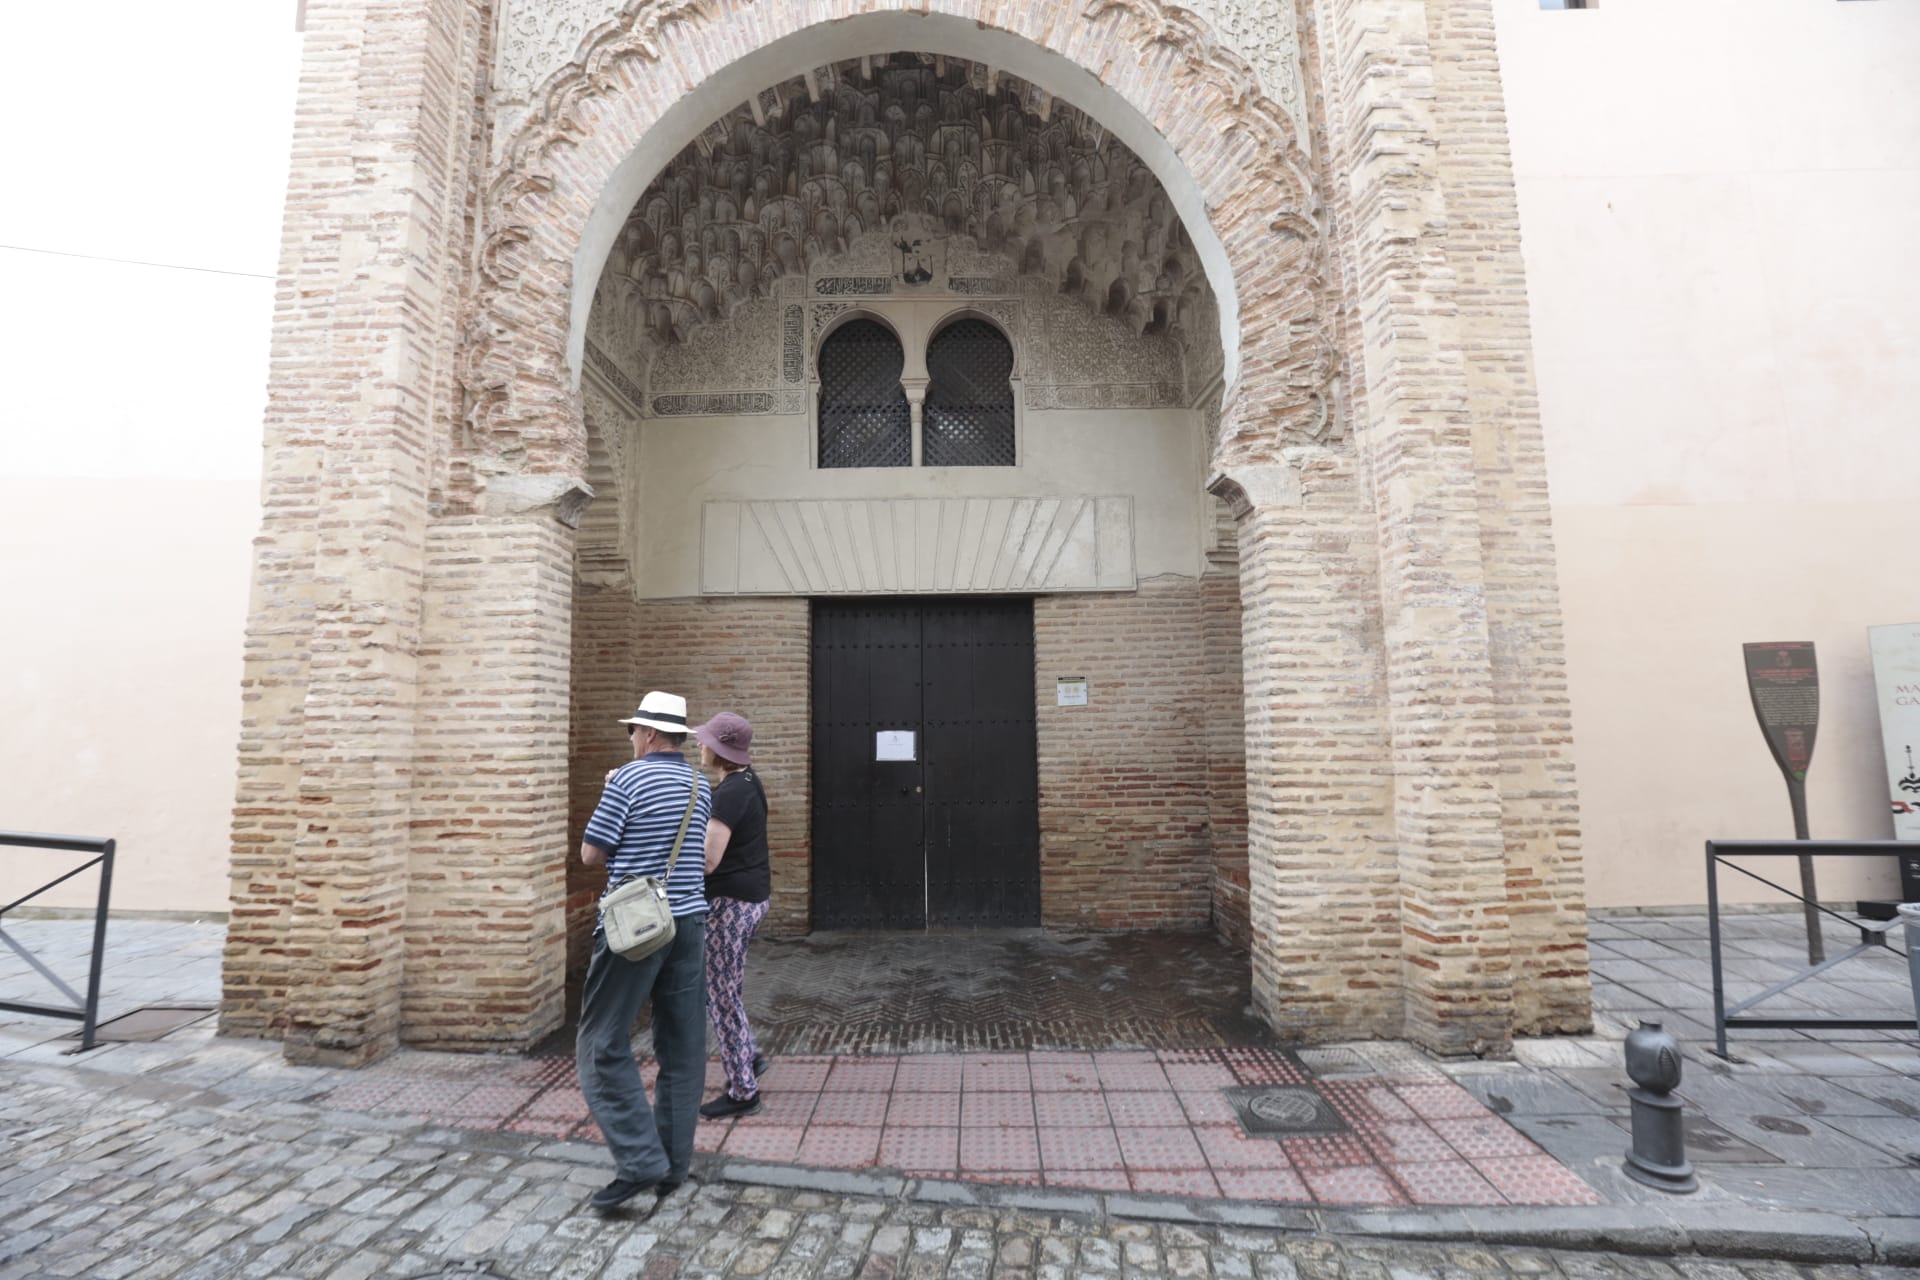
86 1009
1873 933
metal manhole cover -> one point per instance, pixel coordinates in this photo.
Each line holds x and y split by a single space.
1270 1110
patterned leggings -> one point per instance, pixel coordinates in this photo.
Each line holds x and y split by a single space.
730 927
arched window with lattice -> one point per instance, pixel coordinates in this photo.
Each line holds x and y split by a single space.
968 420
864 417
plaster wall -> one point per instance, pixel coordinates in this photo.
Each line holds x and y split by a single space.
1714 203
135 349
119 674
1147 454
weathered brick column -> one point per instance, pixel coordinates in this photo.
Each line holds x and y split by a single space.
361 362
485 916
1323 880
1449 438
1546 892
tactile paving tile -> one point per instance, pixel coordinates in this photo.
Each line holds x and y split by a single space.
1353 1185
1444 1182
1535 1180
1080 1147
840 1146
920 1147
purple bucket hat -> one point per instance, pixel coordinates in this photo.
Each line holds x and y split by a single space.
728 736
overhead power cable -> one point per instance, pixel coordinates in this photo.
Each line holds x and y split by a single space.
135 262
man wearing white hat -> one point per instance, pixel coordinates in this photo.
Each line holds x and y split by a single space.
633 832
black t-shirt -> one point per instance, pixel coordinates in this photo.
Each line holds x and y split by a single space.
743 873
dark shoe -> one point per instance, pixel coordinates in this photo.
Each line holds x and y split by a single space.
726 1107
761 1065
618 1192
666 1187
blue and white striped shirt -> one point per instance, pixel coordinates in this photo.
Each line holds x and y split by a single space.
638 816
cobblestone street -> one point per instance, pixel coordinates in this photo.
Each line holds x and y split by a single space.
198 1155
111 1177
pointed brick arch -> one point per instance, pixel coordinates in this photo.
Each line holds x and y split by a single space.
1230 149
400 819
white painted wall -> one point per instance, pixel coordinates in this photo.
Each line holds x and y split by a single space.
1716 204
130 474
1147 454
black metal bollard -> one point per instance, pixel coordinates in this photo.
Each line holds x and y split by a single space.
1658 1156
1910 917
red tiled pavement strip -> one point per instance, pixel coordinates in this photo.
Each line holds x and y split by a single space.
1107 1121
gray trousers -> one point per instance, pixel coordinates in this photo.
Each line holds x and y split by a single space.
648 1143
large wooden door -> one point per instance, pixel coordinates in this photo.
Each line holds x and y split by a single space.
949 836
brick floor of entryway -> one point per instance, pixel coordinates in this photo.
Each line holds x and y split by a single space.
1088 1061
1148 1121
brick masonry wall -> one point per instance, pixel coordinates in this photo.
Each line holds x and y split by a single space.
1226 728
1126 805
485 935
605 624
361 358
1126 784
1323 870
735 654
1377 63
1413 858
1539 810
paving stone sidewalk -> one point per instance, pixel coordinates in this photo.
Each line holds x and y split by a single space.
1800 1123
194 1176
1823 1120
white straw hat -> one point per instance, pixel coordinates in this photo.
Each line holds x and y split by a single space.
666 712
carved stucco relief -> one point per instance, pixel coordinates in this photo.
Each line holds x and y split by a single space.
894 174
1267 34
516 375
540 37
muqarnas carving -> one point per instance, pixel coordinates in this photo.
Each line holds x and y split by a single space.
837 167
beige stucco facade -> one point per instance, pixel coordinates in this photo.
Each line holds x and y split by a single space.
1725 337
1712 307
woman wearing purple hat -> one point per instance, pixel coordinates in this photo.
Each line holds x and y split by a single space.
739 882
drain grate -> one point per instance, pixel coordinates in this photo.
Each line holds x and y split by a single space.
1280 1110
148 1023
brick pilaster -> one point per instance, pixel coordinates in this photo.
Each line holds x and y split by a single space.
1322 879
361 360
1538 805
1428 245
485 921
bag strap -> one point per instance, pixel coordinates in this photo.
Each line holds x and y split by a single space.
693 796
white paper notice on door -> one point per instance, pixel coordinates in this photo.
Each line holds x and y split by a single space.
893 744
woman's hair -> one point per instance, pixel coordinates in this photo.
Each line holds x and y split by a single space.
726 765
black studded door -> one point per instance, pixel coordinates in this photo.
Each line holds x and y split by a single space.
925 784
